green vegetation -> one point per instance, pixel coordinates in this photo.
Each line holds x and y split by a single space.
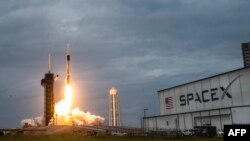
84 138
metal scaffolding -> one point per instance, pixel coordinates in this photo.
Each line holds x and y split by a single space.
48 83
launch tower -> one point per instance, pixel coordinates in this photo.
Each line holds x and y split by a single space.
48 83
114 108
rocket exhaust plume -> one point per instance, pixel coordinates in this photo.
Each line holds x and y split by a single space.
64 114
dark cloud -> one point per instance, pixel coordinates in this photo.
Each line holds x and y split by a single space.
138 47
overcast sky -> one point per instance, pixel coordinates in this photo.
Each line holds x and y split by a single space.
138 46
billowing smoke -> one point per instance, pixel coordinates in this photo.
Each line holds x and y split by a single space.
36 121
65 115
82 118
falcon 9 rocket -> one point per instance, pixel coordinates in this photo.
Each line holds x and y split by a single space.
67 66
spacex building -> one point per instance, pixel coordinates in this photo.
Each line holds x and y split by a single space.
218 100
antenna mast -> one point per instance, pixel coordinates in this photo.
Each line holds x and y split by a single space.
49 65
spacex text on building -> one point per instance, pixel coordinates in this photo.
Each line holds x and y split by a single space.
204 96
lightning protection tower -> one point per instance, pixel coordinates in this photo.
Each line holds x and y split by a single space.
114 108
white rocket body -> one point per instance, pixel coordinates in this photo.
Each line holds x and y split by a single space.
67 67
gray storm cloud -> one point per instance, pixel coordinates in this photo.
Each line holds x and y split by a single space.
137 46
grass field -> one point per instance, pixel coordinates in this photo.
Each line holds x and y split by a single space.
84 138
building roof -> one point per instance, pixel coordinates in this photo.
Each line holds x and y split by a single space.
203 79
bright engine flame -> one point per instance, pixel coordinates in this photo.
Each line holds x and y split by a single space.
64 106
64 115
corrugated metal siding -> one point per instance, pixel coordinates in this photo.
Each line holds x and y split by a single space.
241 115
235 110
239 90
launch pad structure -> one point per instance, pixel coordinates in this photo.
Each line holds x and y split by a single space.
48 83
50 117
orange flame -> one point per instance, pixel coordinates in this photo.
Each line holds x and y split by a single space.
64 115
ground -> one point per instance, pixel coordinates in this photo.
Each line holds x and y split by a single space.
84 138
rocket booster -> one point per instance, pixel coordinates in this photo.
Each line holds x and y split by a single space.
67 66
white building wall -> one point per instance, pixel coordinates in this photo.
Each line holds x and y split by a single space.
224 81
178 108
161 103
198 88
215 84
241 115
205 85
149 124
245 88
196 116
205 119
188 120
217 112
235 90
172 94
209 92
215 121
182 123
183 92
218 118
161 123
190 89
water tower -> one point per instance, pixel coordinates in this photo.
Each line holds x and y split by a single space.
114 108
